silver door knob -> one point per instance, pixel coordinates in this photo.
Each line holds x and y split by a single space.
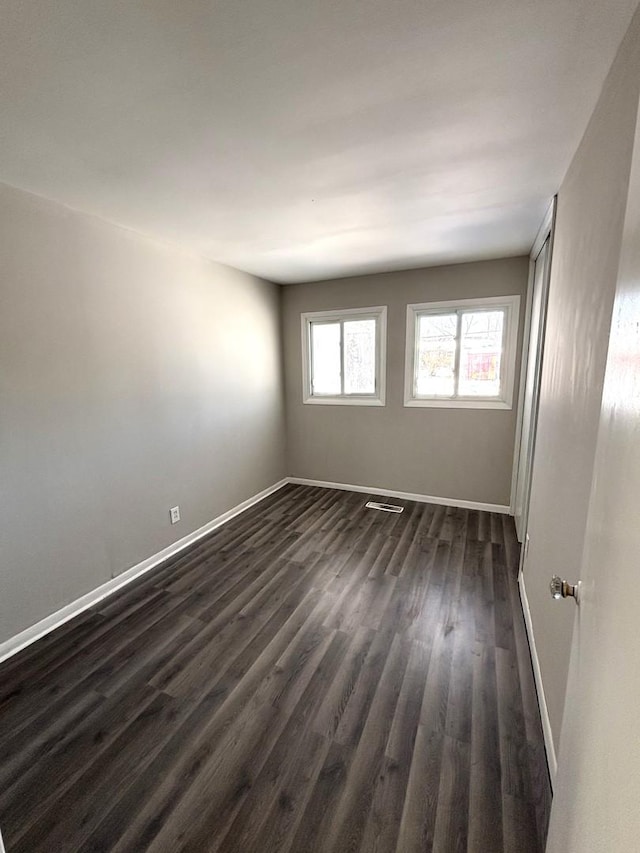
561 589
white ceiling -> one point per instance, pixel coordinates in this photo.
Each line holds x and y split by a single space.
305 139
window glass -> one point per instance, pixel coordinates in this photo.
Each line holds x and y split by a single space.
436 355
325 358
360 356
481 336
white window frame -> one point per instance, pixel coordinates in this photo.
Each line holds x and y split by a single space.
379 314
511 306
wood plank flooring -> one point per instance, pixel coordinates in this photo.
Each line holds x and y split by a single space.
313 676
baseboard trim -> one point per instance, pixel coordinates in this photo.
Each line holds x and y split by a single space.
25 638
537 674
407 496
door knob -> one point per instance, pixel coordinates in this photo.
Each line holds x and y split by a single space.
561 589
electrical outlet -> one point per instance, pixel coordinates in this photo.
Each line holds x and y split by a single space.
174 514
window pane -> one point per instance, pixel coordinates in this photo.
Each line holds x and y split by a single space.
360 357
481 353
436 355
325 358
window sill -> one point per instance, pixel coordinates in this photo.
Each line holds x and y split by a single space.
343 401
458 404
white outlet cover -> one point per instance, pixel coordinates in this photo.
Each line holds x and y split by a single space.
174 514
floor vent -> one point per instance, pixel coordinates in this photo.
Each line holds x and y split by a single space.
383 507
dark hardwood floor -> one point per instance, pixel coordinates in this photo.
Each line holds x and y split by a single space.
313 676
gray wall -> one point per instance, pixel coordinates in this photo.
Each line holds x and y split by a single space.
133 378
464 454
591 206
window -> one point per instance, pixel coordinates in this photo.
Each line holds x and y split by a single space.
344 356
462 354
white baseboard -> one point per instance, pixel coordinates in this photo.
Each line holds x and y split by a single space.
544 711
18 642
49 623
407 496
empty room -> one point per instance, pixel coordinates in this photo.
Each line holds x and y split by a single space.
319 426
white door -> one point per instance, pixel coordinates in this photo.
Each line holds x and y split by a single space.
596 806
531 390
